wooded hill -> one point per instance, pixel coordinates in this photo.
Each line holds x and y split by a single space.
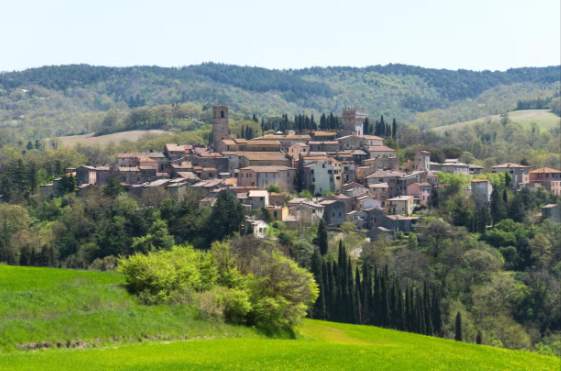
73 99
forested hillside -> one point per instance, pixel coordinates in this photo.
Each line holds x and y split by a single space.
75 99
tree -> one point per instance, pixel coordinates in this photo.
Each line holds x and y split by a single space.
458 328
316 269
322 238
497 206
266 215
273 188
479 338
394 129
29 146
113 188
226 217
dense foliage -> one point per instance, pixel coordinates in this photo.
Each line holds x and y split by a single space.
74 99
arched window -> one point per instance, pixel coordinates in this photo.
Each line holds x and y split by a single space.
222 114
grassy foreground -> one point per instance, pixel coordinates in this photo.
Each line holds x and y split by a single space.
93 311
329 347
45 307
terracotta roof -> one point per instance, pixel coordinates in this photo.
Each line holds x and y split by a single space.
187 175
230 181
330 142
544 170
258 156
400 198
268 169
509 165
379 149
263 142
177 147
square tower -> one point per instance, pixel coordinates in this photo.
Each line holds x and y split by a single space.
220 125
353 120
422 161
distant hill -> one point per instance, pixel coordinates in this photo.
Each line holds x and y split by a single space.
71 99
48 308
545 119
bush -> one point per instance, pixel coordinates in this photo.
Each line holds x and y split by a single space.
162 275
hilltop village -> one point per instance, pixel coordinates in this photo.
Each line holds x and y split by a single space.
349 177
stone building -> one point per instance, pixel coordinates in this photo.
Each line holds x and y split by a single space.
264 176
422 161
549 178
520 174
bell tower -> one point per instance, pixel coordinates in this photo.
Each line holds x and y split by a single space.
220 125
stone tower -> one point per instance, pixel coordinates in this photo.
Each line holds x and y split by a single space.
220 125
422 161
353 120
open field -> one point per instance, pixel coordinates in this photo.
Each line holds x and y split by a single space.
92 310
544 118
103 140
328 346
45 307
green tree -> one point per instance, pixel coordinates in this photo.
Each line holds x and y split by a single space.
322 238
113 188
226 217
458 327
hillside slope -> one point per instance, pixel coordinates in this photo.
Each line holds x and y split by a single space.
329 346
543 118
53 308
61 100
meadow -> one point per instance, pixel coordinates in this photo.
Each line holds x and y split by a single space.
46 307
99 326
544 118
103 140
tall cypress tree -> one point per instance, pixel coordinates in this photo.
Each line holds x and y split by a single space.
394 129
318 311
458 336
366 293
322 238
358 297
386 309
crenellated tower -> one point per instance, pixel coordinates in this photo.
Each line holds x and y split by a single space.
353 120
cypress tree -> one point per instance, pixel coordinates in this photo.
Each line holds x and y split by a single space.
366 293
366 126
358 295
400 314
332 293
458 336
393 306
318 311
427 310
386 309
479 338
394 129
322 238
407 314
376 310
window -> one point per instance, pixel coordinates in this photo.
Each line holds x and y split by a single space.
221 114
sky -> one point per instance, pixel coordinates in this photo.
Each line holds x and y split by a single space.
452 34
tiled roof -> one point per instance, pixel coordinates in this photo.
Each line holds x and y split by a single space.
379 149
258 156
268 169
544 170
509 165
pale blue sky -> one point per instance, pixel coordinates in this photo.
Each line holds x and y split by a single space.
470 34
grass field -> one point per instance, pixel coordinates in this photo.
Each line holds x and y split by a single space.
328 346
544 118
110 315
43 307
103 140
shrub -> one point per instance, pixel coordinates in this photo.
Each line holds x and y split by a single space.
166 274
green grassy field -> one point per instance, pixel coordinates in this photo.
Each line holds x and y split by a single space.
93 311
328 346
103 140
44 307
544 118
